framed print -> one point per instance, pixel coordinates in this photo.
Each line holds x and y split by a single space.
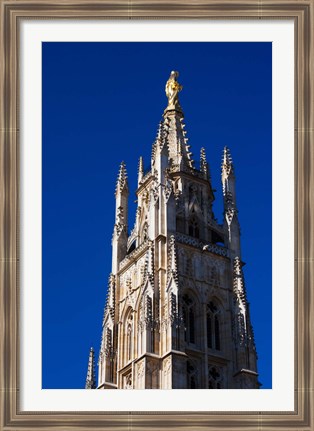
207 320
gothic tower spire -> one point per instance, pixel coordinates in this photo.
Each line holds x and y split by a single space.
203 164
231 223
119 239
90 378
140 170
243 332
174 127
122 181
176 314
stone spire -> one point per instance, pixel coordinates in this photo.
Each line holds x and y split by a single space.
240 296
122 181
140 170
227 171
203 164
172 131
244 331
119 239
230 208
90 379
110 298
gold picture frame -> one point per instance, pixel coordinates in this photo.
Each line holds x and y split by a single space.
12 12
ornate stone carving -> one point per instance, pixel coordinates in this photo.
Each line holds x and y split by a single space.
195 242
167 366
128 381
168 189
140 369
120 223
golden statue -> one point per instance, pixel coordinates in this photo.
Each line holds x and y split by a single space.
172 91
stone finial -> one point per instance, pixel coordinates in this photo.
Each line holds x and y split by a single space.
90 378
172 92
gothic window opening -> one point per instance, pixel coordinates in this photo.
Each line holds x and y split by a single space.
109 355
209 331
180 224
149 317
129 338
132 247
217 333
194 227
192 325
213 327
189 319
191 376
215 380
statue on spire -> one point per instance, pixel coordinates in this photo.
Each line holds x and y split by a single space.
172 92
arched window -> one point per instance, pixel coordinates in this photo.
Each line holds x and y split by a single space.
213 326
191 375
194 227
129 337
215 380
189 319
109 355
192 325
180 224
149 324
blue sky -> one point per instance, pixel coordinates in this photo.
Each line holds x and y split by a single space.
102 103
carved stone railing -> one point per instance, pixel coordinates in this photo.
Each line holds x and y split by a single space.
195 242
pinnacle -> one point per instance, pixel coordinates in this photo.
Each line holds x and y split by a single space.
227 159
122 181
239 287
140 165
90 379
203 163
226 169
140 171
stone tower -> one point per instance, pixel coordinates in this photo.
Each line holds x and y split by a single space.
176 314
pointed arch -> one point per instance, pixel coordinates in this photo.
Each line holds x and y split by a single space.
145 316
192 374
127 335
215 377
194 226
191 317
214 314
